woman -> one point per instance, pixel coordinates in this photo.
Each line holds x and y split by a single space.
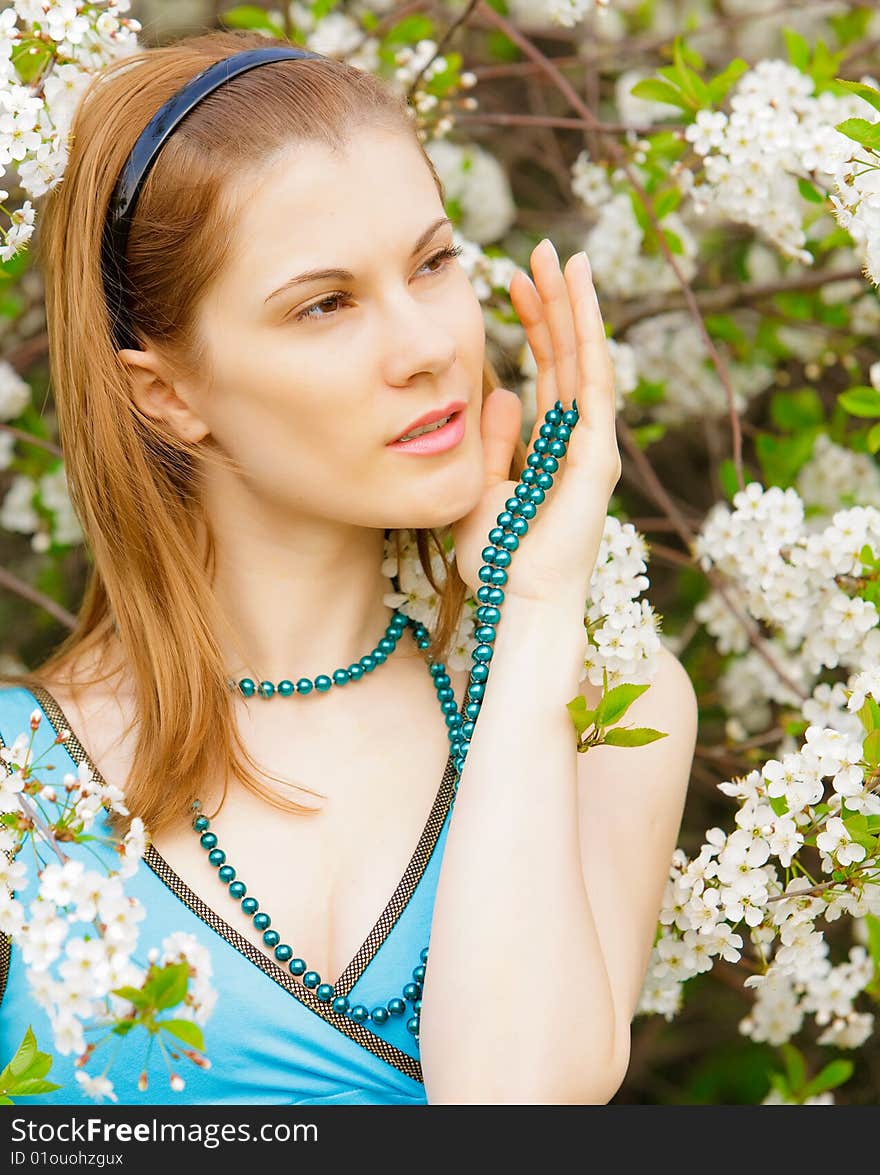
291 306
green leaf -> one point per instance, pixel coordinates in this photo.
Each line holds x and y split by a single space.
872 749
24 1054
657 90
795 1065
869 94
810 192
251 16
721 83
673 240
186 1031
646 434
779 804
861 131
872 440
30 57
501 48
798 49
582 718
832 1075
134 996
728 479
860 401
667 202
872 923
781 458
28 1086
168 988
797 409
850 26
632 736
868 715
615 703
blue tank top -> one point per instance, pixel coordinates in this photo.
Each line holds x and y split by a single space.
269 1039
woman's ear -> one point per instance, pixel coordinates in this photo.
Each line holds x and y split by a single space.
155 394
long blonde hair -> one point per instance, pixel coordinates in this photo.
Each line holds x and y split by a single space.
134 483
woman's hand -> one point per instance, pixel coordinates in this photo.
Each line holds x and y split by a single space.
555 559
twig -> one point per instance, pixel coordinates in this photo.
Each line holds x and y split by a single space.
13 584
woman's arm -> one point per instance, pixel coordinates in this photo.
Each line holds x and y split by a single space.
529 989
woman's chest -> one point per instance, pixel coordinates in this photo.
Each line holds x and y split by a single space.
324 879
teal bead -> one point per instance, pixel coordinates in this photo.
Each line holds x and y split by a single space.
250 906
286 688
502 559
323 683
216 857
283 952
304 686
208 840
271 938
412 991
200 823
558 448
423 954
324 992
379 657
247 687
396 1006
340 677
267 688
226 874
418 973
412 1026
485 632
387 645
341 1004
262 920
237 890
520 527
545 481
571 415
379 1015
356 672
359 1013
549 465
417 1007
368 663
311 979
296 966
541 445
483 653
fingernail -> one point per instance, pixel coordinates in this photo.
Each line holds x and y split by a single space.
584 262
547 241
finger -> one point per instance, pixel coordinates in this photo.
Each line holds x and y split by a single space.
551 286
500 424
595 381
530 311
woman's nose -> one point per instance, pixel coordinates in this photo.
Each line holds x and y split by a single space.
417 338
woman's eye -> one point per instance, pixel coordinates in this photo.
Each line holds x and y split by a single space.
440 259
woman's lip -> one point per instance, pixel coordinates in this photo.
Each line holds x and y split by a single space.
437 441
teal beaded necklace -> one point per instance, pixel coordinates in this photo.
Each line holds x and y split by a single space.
511 526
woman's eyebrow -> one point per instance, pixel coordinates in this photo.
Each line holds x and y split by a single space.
346 275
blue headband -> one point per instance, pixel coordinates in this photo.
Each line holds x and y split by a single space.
142 157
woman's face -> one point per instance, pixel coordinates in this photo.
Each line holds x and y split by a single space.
309 384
